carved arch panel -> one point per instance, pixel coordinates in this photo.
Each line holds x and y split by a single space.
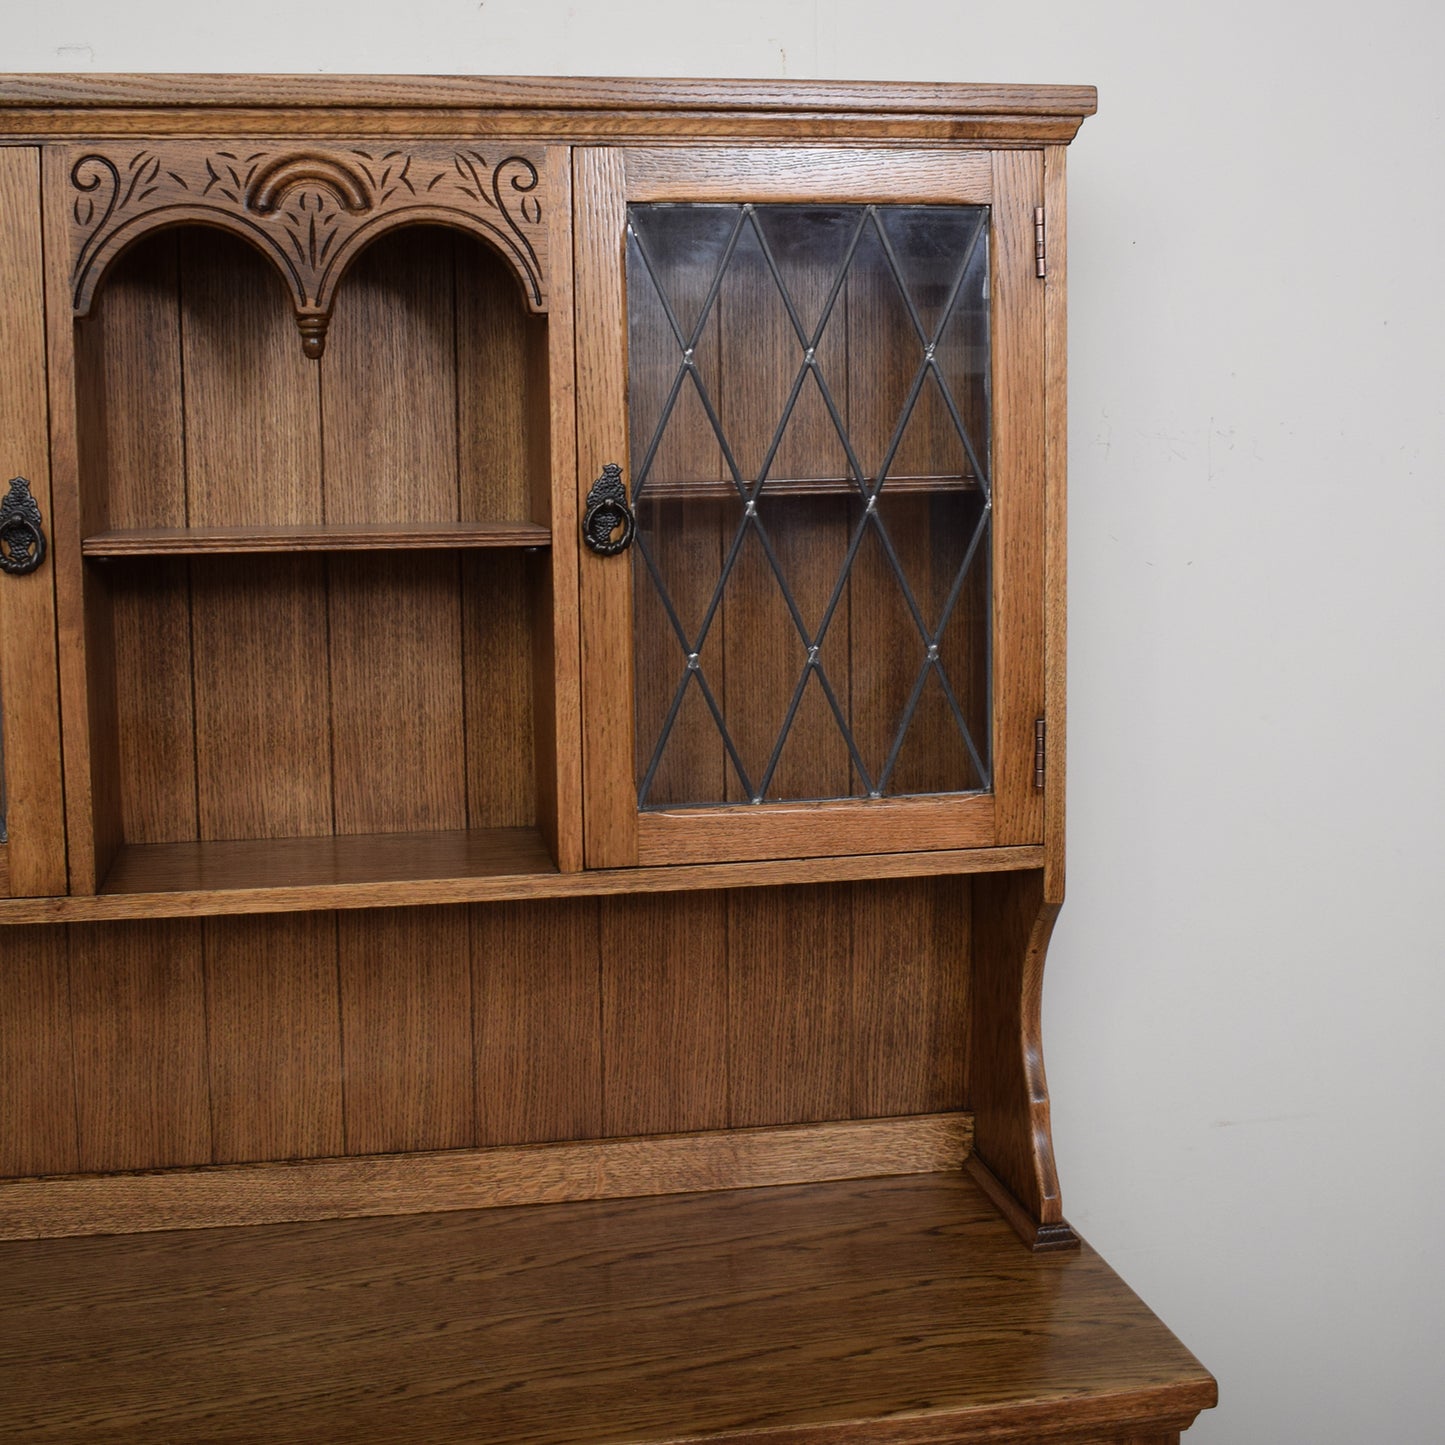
310 209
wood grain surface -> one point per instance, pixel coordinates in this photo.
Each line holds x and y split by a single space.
33 806
894 1310
191 880
492 1178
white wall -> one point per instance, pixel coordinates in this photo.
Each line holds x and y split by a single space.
1245 997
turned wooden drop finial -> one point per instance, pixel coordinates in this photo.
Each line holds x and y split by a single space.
313 335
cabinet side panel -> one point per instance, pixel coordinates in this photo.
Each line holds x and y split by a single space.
406 1029
274 1027
537 999
910 996
664 1013
34 858
789 1005
140 1045
1018 516
1056 520
37 1081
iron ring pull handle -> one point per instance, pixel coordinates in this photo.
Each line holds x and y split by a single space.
22 538
607 510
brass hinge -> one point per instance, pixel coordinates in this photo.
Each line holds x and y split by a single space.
1040 730
1040 249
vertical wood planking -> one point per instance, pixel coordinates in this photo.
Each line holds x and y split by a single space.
133 387
406 1029
37 1077
664 1013
910 986
604 582
274 1030
390 429
536 996
396 693
138 1000
263 735
789 1005
253 454
1018 518
1056 467
497 444
500 606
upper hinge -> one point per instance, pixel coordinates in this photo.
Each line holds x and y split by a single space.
1040 244
1040 733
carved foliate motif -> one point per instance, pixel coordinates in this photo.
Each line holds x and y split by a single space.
310 209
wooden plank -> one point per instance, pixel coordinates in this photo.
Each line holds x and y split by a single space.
133 473
390 443
790 1006
389 385
138 1001
406 1030
605 590
910 951
503 706
201 880
481 1178
1056 468
262 734
808 173
862 1311
398 742
537 1022
37 1075
664 1013
556 626
357 537
1018 493
30 744
203 95
799 829
274 1030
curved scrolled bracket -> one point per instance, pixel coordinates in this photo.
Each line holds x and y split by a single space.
310 209
1008 1093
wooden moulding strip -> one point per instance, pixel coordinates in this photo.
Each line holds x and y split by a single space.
381 1184
220 899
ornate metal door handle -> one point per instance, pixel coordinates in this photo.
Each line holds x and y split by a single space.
607 510
22 541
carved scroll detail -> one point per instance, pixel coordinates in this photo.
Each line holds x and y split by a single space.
310 209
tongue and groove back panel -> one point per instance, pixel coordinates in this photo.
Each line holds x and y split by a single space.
181 1042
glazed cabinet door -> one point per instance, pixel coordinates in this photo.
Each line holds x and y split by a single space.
811 458
32 836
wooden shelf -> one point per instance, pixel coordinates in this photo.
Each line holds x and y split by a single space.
358 537
900 1310
283 875
706 490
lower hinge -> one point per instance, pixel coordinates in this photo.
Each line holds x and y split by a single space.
1040 246
1040 733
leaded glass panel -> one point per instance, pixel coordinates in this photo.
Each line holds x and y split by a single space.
808 392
